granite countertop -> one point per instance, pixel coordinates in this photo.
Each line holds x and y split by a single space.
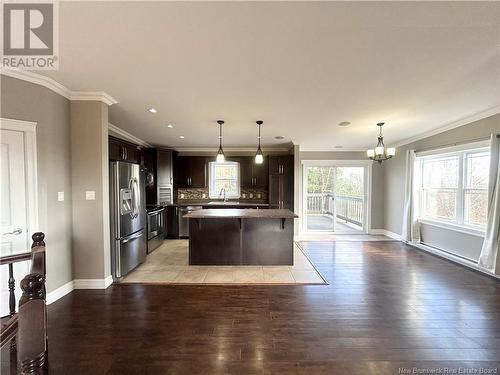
214 213
221 203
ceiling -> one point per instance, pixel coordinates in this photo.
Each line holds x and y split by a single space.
301 67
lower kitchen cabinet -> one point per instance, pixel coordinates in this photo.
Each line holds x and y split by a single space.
172 222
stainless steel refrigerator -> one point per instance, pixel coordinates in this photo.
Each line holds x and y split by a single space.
128 217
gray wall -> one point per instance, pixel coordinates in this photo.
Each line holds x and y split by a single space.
377 214
394 180
89 139
25 101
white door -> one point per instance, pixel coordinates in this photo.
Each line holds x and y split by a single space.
13 209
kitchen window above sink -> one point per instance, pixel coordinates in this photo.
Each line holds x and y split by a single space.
224 181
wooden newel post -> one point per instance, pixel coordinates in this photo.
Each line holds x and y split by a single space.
32 329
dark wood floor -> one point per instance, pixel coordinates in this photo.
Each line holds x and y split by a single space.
387 307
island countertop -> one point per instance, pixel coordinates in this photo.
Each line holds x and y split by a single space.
214 213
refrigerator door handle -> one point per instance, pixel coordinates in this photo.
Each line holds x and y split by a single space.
133 186
132 237
137 197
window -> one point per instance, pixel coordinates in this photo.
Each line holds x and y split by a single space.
224 176
453 187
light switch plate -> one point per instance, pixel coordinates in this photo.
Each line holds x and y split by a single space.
90 195
60 196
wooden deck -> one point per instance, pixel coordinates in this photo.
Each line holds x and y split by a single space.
388 306
324 223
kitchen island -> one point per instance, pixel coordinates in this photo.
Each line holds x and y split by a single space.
241 237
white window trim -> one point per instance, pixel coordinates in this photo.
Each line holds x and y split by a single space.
458 224
212 194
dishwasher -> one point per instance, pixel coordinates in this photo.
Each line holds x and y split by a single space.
183 222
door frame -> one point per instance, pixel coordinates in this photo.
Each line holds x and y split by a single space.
28 128
367 164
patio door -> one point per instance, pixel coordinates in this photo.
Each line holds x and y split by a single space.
335 197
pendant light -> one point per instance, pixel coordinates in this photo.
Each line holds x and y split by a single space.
381 153
220 158
259 157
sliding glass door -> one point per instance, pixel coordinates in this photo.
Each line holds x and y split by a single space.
319 199
349 199
334 198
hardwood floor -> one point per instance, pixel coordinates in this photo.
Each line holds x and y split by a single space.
387 307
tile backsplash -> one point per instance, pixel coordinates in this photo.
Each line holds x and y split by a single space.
202 193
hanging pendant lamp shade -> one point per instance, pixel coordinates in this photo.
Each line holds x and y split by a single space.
259 156
220 158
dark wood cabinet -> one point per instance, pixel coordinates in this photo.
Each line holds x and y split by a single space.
281 164
164 171
190 172
121 150
252 174
260 174
275 191
172 227
159 175
246 177
281 181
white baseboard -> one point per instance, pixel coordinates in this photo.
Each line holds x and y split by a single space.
108 281
78 284
453 258
387 233
59 292
93 283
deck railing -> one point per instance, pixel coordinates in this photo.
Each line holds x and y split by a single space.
348 208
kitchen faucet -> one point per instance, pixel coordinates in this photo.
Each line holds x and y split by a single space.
223 189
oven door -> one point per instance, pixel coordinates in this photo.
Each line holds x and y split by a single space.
155 223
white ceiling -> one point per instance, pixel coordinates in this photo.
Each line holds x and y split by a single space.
300 67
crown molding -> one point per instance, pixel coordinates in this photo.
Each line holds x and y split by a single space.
97 96
451 125
331 149
38 79
231 149
55 86
127 136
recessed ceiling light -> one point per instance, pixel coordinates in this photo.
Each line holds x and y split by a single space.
279 137
152 110
344 123
170 126
181 136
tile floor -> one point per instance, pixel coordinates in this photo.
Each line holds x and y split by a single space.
169 264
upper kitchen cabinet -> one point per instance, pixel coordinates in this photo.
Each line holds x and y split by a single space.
260 173
121 150
165 168
280 164
190 172
252 174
